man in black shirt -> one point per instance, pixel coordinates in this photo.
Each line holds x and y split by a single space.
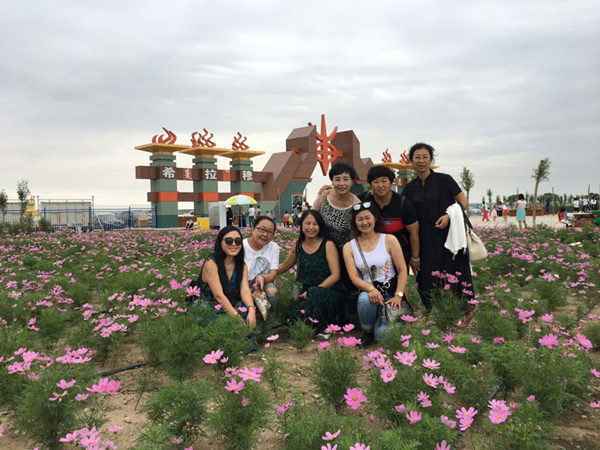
399 215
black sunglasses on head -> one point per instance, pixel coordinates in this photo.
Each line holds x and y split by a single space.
358 206
231 241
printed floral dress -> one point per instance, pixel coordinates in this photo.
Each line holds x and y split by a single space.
325 305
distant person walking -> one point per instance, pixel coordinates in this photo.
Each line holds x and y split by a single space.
576 205
486 212
521 214
251 213
494 213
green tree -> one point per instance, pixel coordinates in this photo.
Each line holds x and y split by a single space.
3 203
467 181
23 194
489 194
539 174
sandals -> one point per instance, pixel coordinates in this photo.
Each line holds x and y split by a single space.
466 319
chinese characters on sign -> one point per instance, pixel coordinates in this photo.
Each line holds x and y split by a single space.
187 174
247 175
168 172
210 174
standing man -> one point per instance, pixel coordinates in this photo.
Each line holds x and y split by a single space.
262 259
576 205
398 213
251 212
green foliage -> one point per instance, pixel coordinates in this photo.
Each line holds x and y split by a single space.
154 437
44 421
447 308
592 332
334 371
424 434
235 424
274 374
491 324
181 404
301 334
307 424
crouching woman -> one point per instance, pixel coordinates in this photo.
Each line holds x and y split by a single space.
376 266
224 277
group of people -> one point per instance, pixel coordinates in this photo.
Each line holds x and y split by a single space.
347 244
247 219
498 210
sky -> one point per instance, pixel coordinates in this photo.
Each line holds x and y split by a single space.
494 86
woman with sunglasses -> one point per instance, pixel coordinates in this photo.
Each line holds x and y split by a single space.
323 295
224 277
432 193
376 266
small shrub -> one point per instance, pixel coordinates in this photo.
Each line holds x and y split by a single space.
182 405
424 434
447 308
301 334
236 418
491 324
334 371
592 332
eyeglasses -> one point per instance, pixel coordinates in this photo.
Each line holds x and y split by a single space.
231 241
365 205
421 158
265 231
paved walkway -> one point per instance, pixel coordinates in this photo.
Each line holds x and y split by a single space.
550 220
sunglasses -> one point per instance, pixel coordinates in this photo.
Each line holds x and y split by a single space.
231 241
358 206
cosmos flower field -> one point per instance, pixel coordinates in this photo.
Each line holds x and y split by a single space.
73 308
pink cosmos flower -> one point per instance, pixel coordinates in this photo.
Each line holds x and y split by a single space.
531 398
359 446
64 385
400 408
213 357
193 291
69 437
283 408
595 373
498 340
249 374
455 349
583 341
448 337
406 358
354 397
388 374
329 447
408 319
177 440
1 431
431 380
413 417
350 341
324 345
474 340
57 396
234 386
499 415
442 446
115 429
349 327
267 345
425 332
550 340
405 337
432 345
595 404
547 318
431 364
82 397
446 421
468 413
245 401
273 337
312 320
465 423
330 437
332 329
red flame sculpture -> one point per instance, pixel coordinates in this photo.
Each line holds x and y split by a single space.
201 140
162 139
404 159
326 151
387 158
238 142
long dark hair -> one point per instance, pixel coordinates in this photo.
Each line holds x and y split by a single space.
232 293
373 210
322 227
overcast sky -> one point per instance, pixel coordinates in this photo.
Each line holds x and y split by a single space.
492 85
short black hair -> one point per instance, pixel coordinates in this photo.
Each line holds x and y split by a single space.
261 218
340 168
419 146
380 171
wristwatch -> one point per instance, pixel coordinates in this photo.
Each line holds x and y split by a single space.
400 294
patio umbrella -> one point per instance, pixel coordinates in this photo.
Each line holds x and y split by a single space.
240 200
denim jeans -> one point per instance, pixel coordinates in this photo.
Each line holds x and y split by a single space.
370 314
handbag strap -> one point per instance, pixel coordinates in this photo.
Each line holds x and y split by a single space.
364 261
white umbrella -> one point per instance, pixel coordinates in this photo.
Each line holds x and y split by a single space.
240 200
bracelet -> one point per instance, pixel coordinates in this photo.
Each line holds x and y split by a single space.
251 306
371 289
415 260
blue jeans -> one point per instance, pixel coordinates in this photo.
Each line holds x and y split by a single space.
370 314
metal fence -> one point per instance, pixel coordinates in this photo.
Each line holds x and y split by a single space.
83 219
